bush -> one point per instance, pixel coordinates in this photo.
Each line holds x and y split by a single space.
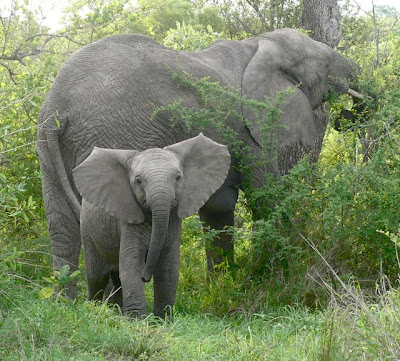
338 204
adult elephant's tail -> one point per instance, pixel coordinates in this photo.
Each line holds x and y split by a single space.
50 144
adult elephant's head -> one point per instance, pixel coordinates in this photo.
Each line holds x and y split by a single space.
287 59
126 183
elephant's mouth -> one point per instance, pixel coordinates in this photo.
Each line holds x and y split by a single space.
174 203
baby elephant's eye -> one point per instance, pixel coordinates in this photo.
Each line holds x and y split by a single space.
178 177
138 180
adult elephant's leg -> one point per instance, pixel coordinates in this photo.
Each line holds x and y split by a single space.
132 257
217 214
220 247
166 274
63 228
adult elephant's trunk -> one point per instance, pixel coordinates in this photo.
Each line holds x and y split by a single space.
161 207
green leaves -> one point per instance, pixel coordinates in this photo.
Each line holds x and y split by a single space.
16 208
87 22
220 108
59 281
394 237
46 293
24 77
187 38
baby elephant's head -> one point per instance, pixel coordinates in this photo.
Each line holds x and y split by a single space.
126 183
156 177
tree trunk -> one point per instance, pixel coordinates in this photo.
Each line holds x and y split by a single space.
322 18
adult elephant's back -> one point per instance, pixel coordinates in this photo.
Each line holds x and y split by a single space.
106 93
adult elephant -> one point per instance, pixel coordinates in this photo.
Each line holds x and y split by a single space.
105 95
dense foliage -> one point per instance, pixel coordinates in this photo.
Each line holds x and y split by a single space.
331 221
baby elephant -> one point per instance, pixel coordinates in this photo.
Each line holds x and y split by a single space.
132 210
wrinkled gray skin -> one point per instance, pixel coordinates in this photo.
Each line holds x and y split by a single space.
105 94
131 215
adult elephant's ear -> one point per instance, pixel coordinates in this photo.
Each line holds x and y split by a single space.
103 181
205 167
262 78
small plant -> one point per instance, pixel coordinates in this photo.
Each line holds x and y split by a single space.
59 281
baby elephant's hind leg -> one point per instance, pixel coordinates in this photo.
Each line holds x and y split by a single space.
96 270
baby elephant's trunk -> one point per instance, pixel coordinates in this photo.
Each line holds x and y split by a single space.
161 208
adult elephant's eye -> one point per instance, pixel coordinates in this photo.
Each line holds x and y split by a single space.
178 177
138 180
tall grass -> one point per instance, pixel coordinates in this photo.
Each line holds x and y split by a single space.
223 326
48 330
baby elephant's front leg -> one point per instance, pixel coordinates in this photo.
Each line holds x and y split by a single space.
131 263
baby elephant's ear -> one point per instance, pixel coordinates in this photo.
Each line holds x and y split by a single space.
205 167
103 180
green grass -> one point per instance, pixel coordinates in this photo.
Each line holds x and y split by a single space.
33 329
224 319
50 330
